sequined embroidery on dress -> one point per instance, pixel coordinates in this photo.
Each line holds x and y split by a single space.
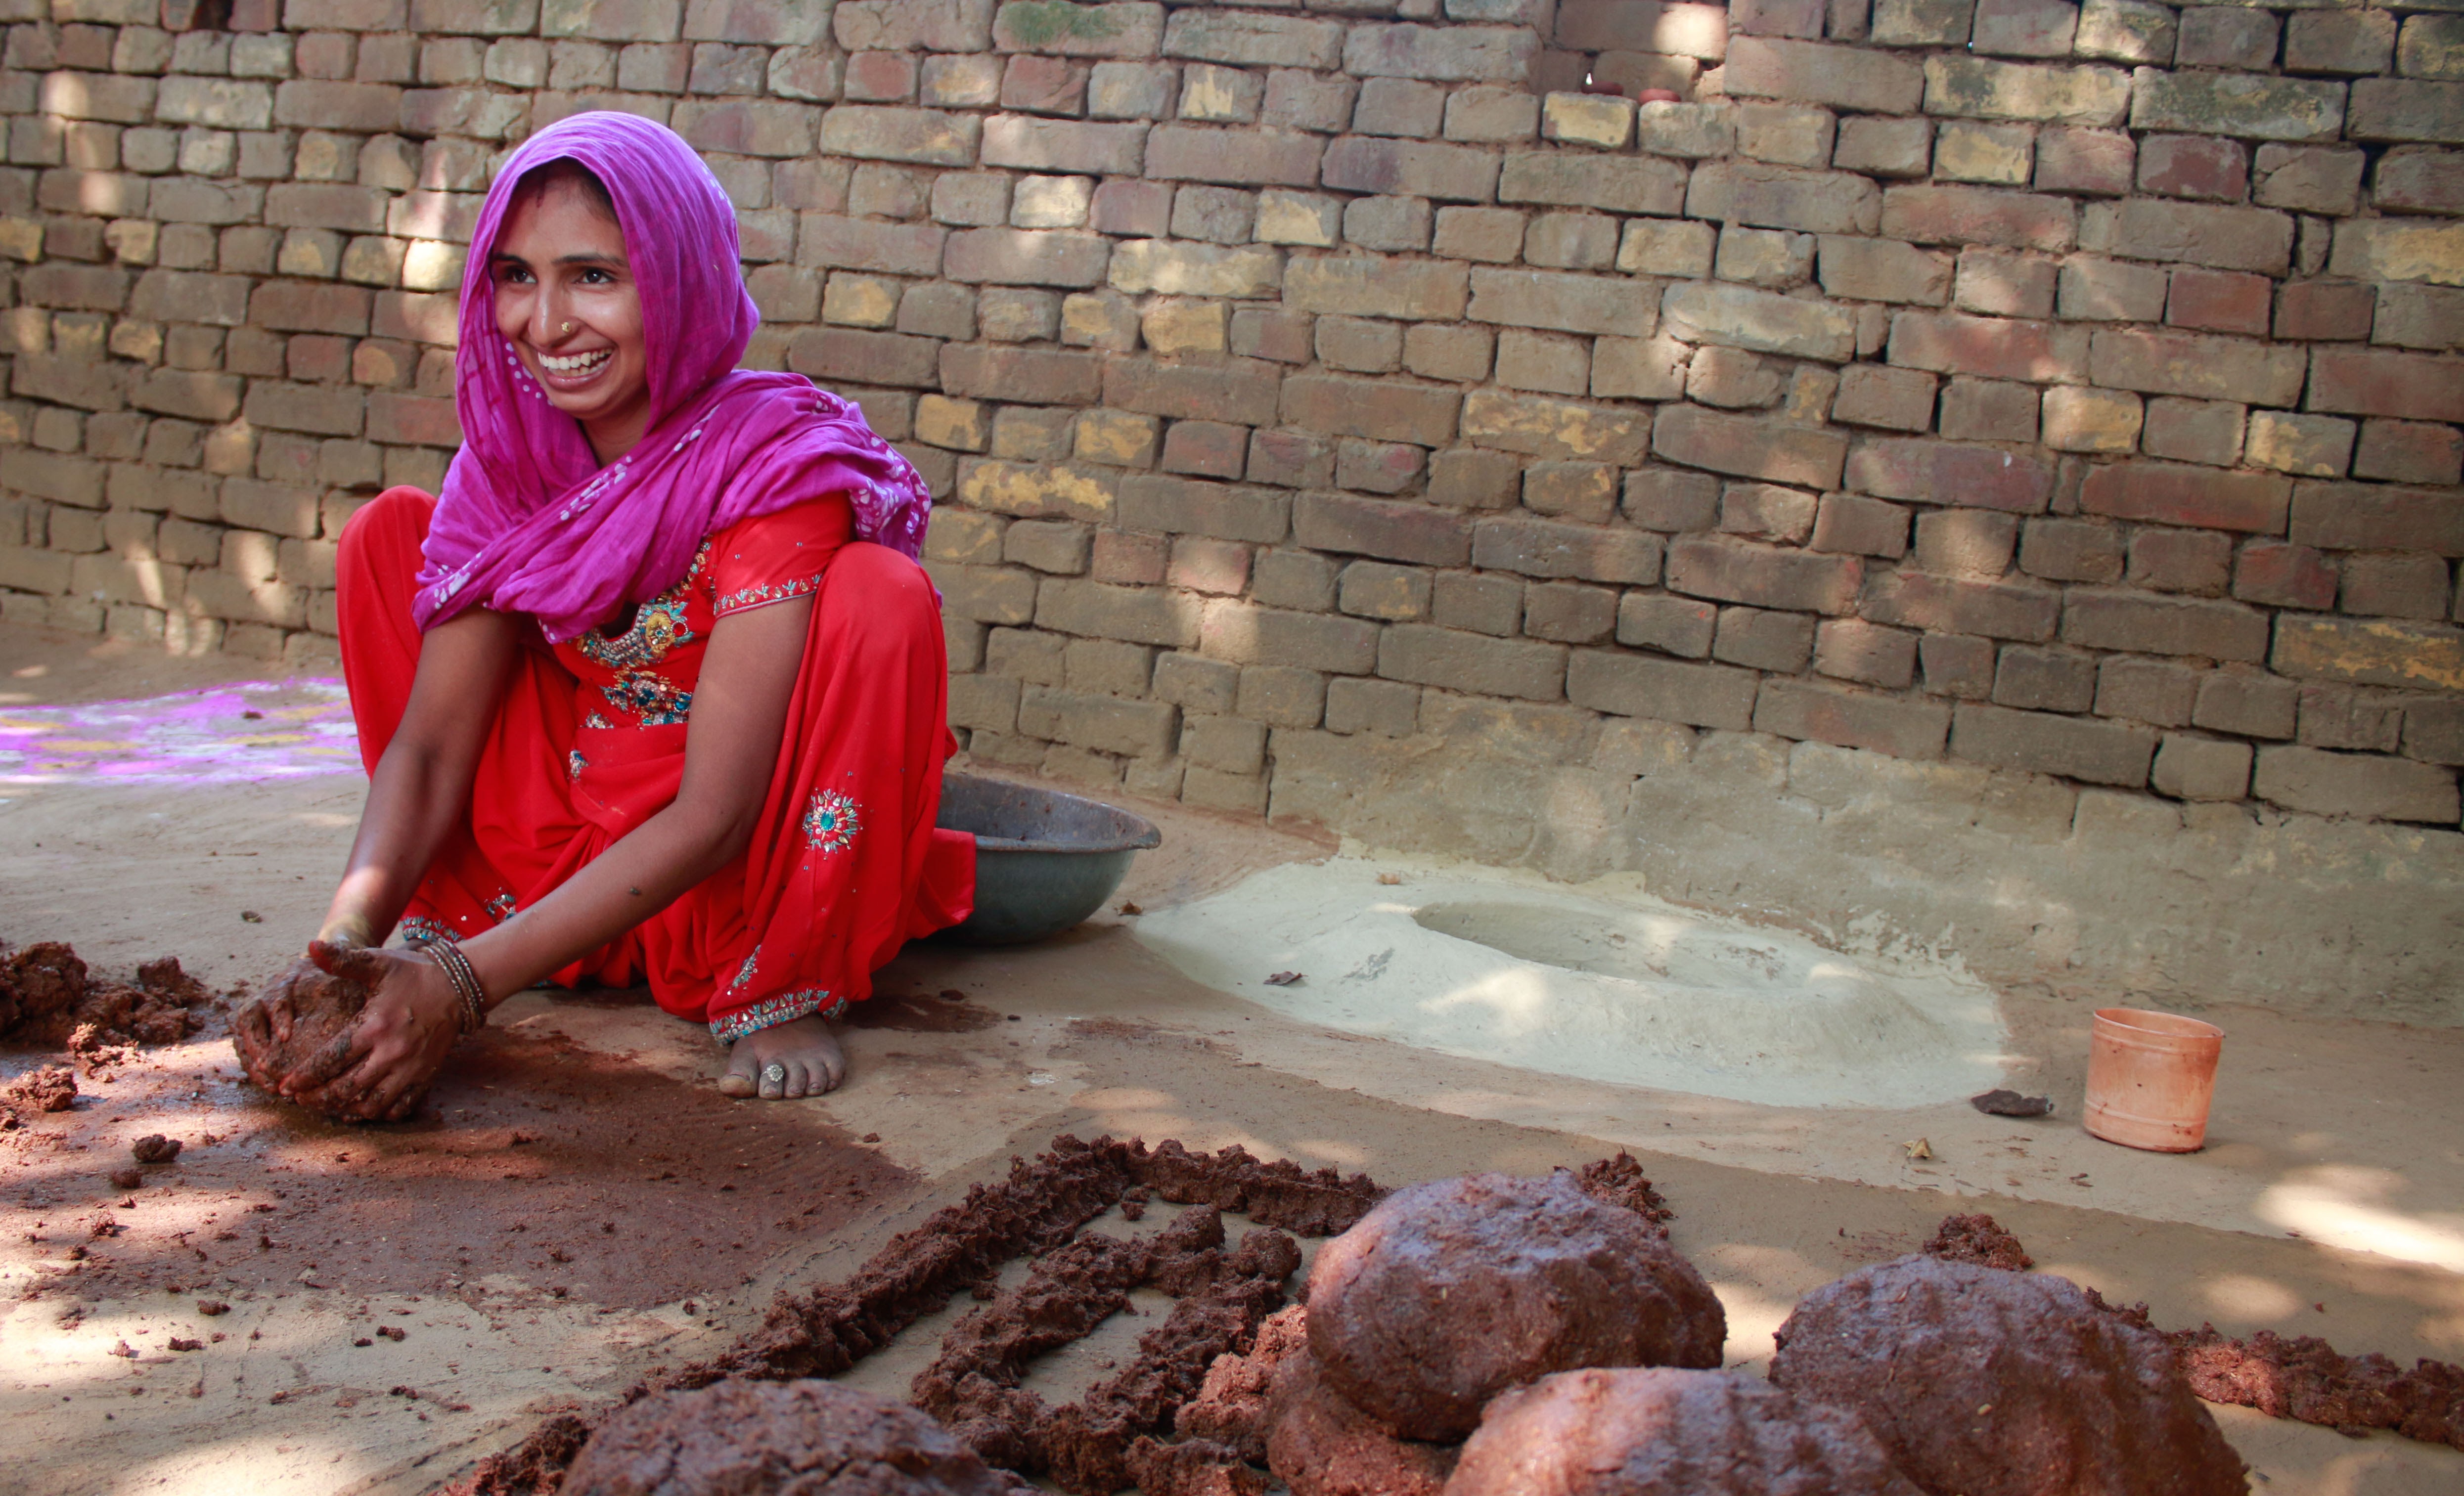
650 698
420 930
743 597
770 1012
575 763
658 628
832 822
502 907
744 973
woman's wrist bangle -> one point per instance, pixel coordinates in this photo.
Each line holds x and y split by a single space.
448 955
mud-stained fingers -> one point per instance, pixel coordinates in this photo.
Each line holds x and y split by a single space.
328 1063
357 963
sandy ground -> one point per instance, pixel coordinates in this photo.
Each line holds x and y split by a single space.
2330 1202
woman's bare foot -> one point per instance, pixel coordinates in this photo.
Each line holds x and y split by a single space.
804 1051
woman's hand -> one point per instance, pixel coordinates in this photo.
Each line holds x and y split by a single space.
378 1068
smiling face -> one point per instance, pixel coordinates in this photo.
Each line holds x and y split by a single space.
566 299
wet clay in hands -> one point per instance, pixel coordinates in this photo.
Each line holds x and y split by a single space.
299 1030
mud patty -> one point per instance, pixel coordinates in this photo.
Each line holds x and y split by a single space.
814 1438
302 1012
1660 1431
1450 1293
1982 1382
1980 1240
1322 1445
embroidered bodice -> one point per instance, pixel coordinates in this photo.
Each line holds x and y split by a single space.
643 673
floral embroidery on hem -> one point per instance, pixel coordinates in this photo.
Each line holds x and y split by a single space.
766 593
832 822
770 1012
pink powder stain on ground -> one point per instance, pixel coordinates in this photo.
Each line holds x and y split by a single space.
226 735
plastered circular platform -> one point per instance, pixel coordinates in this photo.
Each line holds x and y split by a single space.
1598 980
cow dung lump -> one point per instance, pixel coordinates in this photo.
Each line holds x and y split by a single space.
1981 1381
1663 1431
1450 1293
738 1438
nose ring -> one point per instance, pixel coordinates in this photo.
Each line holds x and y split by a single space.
567 327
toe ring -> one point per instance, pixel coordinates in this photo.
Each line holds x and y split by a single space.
776 1074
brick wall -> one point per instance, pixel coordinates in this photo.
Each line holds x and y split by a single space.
2060 391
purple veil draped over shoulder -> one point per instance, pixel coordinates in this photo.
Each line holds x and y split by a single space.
530 522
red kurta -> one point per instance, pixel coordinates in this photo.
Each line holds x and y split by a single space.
589 742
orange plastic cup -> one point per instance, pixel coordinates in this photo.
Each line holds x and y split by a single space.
2150 1077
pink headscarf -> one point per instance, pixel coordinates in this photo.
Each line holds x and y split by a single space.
530 522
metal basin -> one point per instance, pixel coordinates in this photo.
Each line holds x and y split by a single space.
1044 861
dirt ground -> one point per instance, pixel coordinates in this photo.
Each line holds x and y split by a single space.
582 1205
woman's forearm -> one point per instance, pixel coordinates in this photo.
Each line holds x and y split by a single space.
415 798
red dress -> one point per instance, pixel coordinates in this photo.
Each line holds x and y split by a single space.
589 742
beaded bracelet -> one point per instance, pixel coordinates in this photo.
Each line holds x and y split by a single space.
448 955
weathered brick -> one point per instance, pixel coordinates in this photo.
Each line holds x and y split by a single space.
1851 648
2098 161
1784 197
1962 606
1750 448
1982 89
1038 491
2202 367
2101 752
1374 286
2201 234
1539 426
1277 639
1764 575
1239 156
889 132
2201 768
831 241
1576 303
1410 169
1950 472
1137 615
2176 493
2376 652
2197 166
2204 431
1245 39
1761 320
2409 452
2246 104
1075 145
1638 685
2324 311
1895 725
1543 548
2367 382
2125 30
1036 374
1384 410
1993 348
2370 517
2397 587
1761 639
1441 54
2419 179
1454 660
2355 784
1391 530
1242 390
1845 77
2405 109
1618 184
1978 215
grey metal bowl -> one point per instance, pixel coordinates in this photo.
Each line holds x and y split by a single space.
1045 860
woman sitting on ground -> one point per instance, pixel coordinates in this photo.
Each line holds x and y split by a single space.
654 692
